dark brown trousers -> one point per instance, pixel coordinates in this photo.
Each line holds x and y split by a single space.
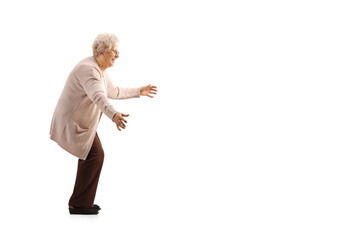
87 176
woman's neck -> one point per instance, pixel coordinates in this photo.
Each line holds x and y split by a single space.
100 64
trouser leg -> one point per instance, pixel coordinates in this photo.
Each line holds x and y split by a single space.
87 176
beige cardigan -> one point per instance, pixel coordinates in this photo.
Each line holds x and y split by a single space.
81 104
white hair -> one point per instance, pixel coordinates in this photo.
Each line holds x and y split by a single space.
104 42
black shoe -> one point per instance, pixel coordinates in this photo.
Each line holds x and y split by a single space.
97 207
83 210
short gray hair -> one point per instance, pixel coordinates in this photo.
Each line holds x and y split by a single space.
104 42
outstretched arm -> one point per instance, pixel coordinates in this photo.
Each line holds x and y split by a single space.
119 119
114 92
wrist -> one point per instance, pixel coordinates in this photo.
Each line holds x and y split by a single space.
114 117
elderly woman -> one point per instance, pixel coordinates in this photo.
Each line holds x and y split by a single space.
78 112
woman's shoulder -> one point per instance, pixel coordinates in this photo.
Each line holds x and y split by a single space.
88 61
88 64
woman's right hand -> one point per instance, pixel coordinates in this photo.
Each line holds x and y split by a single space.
119 120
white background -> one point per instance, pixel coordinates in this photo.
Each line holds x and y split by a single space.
254 133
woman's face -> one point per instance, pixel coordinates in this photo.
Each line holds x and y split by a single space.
111 56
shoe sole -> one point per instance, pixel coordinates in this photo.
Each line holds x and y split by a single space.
83 211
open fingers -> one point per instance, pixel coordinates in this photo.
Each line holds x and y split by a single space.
152 90
123 119
120 125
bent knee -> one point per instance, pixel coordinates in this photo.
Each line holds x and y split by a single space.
101 155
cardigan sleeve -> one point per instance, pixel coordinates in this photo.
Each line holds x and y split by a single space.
114 92
90 80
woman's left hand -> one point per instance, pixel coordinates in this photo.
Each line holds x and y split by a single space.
148 90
